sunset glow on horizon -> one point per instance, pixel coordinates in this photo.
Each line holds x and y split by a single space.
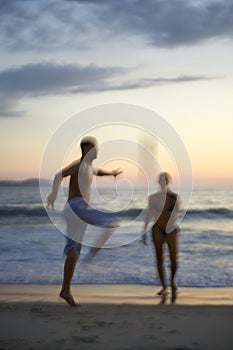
58 65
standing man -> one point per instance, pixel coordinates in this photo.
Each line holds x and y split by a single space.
77 212
164 209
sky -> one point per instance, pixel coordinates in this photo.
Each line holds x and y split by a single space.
61 57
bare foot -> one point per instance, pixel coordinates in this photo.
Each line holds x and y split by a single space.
162 292
163 299
68 298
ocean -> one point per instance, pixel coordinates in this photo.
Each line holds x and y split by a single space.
31 246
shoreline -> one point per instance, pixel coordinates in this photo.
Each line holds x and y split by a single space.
116 294
115 317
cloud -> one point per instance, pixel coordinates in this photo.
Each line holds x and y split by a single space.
52 24
168 23
49 78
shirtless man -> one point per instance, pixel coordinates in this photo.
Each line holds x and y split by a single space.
164 208
77 212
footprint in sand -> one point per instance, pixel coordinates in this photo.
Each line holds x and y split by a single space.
86 339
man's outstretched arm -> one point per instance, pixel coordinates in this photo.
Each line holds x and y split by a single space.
69 170
102 172
56 184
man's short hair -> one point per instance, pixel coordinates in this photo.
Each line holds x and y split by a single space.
89 140
167 176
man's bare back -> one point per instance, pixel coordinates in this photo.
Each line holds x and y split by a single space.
164 209
162 206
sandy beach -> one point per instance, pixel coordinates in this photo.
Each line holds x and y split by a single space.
115 317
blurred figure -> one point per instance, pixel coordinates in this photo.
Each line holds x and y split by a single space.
164 209
147 157
77 212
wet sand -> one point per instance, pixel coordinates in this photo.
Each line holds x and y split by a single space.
115 317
